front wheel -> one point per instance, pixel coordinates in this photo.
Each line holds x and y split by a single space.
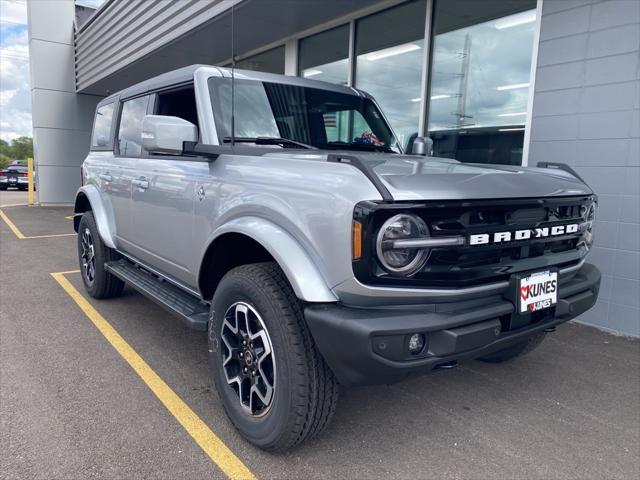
273 383
516 350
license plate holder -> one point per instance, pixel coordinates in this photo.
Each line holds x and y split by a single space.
535 291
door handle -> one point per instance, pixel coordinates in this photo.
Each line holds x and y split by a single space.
106 177
141 183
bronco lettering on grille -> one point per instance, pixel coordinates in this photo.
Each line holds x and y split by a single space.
504 237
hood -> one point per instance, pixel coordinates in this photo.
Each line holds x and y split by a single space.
410 177
430 178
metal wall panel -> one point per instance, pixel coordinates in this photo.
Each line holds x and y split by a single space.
124 31
586 112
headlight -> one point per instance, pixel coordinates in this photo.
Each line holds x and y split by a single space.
589 214
401 260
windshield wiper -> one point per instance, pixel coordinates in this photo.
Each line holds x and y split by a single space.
269 141
369 147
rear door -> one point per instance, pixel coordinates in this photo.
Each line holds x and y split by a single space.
120 174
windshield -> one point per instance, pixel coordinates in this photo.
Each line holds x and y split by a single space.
312 116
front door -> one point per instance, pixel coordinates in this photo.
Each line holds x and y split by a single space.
163 196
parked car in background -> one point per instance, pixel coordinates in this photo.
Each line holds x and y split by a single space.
15 176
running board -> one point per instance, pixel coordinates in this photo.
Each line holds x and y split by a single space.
193 312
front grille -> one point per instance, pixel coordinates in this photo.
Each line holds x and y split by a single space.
468 265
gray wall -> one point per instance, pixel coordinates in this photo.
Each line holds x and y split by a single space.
586 114
62 120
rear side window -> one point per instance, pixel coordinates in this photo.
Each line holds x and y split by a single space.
101 137
130 131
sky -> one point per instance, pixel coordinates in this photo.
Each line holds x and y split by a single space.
15 95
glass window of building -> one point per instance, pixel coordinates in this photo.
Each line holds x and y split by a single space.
325 56
481 65
389 53
271 61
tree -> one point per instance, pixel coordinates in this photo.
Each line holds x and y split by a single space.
4 161
22 148
5 148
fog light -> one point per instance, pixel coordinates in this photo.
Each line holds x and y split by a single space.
416 343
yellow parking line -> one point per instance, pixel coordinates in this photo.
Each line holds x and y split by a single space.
51 236
21 236
208 441
10 224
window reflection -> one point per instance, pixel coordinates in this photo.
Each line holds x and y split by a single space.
130 131
325 56
480 79
271 61
389 53
102 126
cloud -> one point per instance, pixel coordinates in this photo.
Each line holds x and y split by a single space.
13 12
15 95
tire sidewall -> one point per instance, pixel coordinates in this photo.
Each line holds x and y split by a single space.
87 221
265 430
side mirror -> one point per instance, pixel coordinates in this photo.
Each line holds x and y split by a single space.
422 146
164 134
101 141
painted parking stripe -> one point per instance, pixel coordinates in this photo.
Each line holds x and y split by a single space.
208 441
22 236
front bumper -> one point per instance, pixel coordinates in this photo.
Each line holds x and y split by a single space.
366 346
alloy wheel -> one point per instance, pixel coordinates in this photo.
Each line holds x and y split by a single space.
247 358
87 256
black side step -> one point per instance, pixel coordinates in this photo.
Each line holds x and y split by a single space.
193 312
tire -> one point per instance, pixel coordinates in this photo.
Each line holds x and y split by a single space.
305 391
516 350
3 188
97 281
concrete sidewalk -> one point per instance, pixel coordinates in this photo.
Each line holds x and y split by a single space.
70 407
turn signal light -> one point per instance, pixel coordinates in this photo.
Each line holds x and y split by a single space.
357 240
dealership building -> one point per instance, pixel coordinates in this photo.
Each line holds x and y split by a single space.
490 81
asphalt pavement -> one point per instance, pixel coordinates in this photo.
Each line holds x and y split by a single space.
72 407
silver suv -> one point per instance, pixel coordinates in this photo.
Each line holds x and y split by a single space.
281 216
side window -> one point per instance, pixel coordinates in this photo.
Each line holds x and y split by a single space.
101 136
130 131
178 103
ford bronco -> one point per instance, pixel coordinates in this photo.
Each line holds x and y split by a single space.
281 216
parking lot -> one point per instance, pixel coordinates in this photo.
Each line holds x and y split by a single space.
76 403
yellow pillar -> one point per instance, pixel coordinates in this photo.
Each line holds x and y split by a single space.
30 177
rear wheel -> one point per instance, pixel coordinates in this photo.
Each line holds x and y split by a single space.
273 383
92 255
516 350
